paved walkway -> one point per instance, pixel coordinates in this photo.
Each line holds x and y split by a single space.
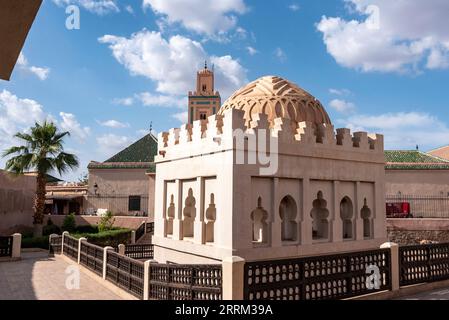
40 277
438 294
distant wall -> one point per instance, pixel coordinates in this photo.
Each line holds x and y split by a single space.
417 182
121 222
16 202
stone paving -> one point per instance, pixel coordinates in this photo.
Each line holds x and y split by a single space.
40 277
438 294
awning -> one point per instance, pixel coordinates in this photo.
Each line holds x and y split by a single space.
16 18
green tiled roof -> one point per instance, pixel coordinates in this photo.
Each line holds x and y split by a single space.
414 160
139 155
142 150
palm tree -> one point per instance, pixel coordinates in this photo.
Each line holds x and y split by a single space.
42 151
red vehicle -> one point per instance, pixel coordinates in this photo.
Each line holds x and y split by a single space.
398 210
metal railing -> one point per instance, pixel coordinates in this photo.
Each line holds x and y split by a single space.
185 282
139 251
125 273
70 247
91 256
423 206
55 244
6 246
423 263
316 278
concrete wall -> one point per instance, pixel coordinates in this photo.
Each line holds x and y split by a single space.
114 188
417 182
16 202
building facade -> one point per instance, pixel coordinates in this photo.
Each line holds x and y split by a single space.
204 101
124 184
267 178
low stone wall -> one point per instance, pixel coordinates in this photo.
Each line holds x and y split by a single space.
412 231
122 222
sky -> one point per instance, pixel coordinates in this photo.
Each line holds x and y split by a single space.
376 65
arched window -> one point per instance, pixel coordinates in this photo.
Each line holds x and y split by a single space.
347 216
188 215
288 212
320 214
259 219
170 216
211 216
365 214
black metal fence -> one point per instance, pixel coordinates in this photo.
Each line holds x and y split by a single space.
70 247
317 278
423 263
126 273
6 246
55 244
139 251
185 282
91 256
424 206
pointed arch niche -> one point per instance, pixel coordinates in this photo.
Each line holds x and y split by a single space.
211 216
320 215
365 214
170 216
288 211
188 215
347 218
259 223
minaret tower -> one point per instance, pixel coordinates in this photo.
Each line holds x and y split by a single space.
203 102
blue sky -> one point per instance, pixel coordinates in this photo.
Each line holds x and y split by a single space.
375 66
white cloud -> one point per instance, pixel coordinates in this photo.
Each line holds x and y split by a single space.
71 124
280 54
342 106
252 51
113 124
111 143
124 101
208 17
294 7
182 116
340 92
41 73
172 63
129 9
17 115
383 39
402 130
100 7
148 99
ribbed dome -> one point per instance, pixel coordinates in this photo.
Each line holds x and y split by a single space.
277 98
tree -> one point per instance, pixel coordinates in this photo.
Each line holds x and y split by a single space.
42 151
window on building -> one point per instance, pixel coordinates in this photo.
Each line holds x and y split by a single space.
203 116
134 203
204 87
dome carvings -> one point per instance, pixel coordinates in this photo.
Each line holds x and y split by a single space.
277 98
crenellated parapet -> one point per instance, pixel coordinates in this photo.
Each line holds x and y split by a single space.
220 132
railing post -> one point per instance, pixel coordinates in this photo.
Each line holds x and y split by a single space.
233 278
121 249
49 243
146 280
133 237
79 248
105 260
16 245
395 270
65 233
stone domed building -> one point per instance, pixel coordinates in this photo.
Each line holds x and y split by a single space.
267 177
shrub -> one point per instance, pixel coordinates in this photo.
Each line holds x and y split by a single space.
106 222
69 223
50 229
86 229
112 237
40 242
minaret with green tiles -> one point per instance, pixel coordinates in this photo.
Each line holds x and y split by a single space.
205 101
